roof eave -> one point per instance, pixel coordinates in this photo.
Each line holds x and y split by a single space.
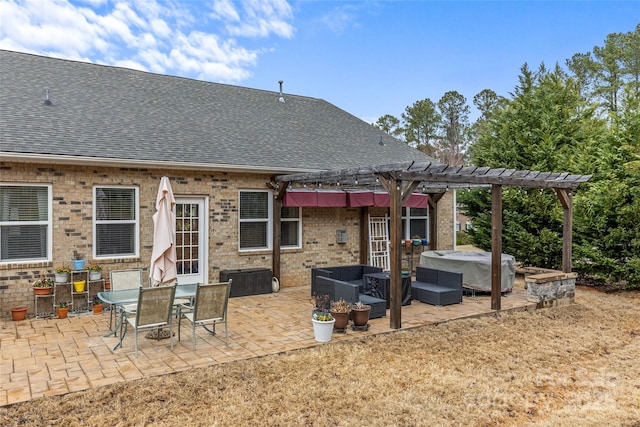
128 163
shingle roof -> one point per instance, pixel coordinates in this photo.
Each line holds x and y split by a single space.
115 113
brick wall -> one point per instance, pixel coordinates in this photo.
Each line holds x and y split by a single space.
72 191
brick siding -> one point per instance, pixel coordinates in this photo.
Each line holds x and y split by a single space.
72 192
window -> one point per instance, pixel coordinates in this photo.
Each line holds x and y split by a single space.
25 222
115 221
255 220
291 227
415 222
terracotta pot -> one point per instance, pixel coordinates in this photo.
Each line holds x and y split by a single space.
342 320
41 290
97 308
19 313
62 312
360 317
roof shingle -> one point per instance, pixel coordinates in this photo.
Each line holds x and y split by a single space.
117 113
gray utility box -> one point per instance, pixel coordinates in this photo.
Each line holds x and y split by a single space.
251 281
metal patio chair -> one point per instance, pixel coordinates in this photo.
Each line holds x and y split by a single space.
153 312
208 310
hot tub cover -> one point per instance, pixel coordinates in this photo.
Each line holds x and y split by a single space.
474 266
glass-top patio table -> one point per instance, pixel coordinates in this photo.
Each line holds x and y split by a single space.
130 296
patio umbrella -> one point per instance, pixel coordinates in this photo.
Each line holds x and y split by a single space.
163 257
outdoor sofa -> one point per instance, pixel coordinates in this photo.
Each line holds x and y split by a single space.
345 273
437 287
347 282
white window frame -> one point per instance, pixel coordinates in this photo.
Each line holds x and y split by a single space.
48 223
407 218
299 221
135 221
268 221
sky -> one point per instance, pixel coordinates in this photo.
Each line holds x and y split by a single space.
369 58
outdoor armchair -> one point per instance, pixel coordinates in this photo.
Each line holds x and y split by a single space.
153 311
208 310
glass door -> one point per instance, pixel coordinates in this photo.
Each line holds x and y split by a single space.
191 230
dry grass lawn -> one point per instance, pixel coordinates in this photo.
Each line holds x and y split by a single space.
571 365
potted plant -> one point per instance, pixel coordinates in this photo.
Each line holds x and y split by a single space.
322 320
78 261
62 273
42 286
416 240
19 313
98 305
79 286
62 309
95 271
340 311
360 314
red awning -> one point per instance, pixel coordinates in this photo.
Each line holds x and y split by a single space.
300 198
340 199
360 198
415 200
332 199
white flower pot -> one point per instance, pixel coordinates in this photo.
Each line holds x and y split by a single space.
323 329
62 277
95 275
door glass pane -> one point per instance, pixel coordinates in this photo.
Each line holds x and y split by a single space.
187 238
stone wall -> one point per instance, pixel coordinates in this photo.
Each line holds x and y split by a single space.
551 289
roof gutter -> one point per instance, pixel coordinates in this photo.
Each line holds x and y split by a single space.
127 163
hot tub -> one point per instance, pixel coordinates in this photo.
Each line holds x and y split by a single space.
474 266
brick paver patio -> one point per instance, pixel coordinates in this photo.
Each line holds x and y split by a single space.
45 357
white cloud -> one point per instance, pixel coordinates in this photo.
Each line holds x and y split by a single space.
340 18
52 26
262 18
225 10
160 28
171 37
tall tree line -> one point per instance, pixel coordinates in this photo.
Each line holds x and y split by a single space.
582 118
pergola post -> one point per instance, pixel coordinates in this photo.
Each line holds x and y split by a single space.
277 229
394 188
496 246
364 235
566 200
433 219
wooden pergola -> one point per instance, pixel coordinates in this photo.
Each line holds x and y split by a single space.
400 180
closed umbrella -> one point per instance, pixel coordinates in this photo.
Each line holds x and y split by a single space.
163 257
